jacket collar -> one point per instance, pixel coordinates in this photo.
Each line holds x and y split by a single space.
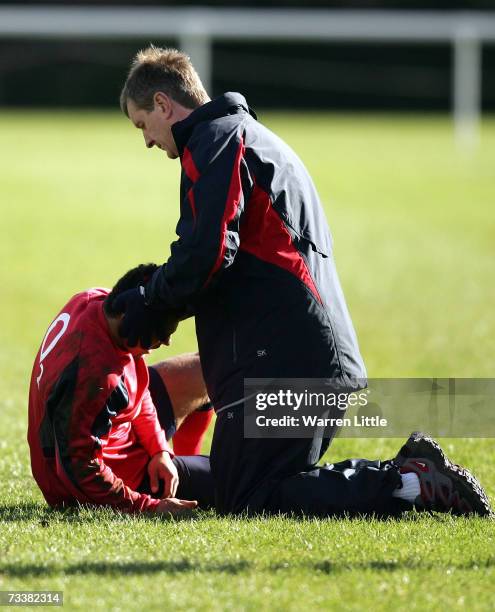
230 103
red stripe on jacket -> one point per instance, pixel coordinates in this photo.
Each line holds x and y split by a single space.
264 234
193 175
189 166
233 198
190 197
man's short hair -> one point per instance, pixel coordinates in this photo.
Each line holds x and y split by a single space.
160 324
168 70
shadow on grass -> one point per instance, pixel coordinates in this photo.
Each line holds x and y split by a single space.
25 511
35 511
117 568
32 511
185 566
329 567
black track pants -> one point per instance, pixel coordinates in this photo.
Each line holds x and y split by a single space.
280 476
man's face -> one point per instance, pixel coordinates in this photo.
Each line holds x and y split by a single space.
156 126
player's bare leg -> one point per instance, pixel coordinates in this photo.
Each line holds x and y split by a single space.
184 381
181 397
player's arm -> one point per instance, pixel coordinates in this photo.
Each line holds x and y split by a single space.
152 438
79 428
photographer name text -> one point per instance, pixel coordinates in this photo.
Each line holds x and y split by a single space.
315 421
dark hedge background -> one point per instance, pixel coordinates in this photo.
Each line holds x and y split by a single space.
82 73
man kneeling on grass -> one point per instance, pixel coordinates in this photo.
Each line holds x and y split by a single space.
99 418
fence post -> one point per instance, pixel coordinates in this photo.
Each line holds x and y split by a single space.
467 87
199 48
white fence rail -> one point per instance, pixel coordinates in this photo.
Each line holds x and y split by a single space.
196 28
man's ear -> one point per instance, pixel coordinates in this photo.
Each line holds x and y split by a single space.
163 102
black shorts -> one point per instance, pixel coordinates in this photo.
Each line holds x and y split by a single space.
163 405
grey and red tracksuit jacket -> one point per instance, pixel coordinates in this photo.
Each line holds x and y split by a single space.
254 258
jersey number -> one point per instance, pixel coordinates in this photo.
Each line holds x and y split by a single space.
63 318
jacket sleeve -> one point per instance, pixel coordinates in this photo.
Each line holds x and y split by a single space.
148 429
215 186
79 461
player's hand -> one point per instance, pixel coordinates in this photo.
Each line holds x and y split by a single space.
136 325
161 467
175 506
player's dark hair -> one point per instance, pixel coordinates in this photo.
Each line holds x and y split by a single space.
168 70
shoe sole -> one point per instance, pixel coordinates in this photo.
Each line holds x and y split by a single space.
421 446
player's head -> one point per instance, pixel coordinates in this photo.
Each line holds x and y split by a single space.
162 87
161 327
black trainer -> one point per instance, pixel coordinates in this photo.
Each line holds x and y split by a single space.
445 486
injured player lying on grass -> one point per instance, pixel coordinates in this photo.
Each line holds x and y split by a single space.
100 418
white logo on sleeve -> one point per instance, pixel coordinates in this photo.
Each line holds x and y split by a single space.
63 318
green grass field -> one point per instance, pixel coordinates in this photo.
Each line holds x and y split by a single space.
413 222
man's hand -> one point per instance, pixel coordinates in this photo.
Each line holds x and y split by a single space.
144 323
175 506
136 325
161 467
